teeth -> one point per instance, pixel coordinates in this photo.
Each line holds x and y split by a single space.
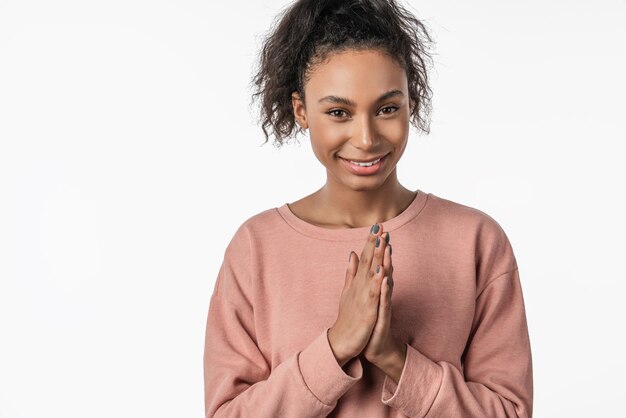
365 164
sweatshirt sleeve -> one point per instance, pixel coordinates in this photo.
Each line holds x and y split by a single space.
496 380
238 378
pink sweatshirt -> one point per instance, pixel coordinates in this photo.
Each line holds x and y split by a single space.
457 303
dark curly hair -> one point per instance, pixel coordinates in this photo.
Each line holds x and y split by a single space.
309 30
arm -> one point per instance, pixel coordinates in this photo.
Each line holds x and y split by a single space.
238 380
496 380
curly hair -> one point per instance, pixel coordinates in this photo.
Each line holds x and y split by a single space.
309 30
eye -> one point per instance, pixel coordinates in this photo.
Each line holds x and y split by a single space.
332 112
390 107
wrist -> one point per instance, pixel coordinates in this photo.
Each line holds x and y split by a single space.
393 362
395 352
340 355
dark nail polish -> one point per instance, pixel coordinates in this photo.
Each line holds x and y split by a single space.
375 228
389 249
387 238
377 269
377 241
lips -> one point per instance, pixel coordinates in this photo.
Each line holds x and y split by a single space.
364 170
368 160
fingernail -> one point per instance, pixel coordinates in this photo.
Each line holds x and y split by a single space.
377 241
387 238
377 268
374 228
389 249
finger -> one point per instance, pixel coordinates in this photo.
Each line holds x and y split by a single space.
389 265
383 307
377 278
380 307
387 262
367 254
389 283
353 262
379 252
382 302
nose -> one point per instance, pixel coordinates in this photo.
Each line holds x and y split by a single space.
365 134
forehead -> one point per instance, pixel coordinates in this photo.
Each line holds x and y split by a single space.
360 75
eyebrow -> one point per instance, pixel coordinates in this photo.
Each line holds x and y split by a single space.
348 102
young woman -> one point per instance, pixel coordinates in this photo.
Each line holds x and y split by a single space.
305 319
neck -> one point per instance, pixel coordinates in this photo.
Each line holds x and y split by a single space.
357 207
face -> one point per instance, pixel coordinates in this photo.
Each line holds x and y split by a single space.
357 108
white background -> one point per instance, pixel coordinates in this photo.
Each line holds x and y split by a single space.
129 155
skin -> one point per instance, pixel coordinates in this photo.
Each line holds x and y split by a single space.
366 129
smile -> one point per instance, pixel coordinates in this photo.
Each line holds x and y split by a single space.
362 164
364 167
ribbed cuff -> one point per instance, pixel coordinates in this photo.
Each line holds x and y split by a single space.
322 374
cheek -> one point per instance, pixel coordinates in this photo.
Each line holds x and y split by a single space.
323 147
326 140
396 131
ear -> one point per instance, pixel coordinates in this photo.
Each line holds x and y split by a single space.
299 111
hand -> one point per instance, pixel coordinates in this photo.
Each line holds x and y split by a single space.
382 343
383 349
359 303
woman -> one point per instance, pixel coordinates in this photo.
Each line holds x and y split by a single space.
295 330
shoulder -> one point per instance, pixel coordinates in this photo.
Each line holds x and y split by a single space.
264 224
465 218
492 248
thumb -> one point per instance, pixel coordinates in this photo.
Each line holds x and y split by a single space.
353 263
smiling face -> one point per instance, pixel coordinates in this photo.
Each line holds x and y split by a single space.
356 108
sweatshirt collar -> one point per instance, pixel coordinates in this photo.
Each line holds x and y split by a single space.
349 234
